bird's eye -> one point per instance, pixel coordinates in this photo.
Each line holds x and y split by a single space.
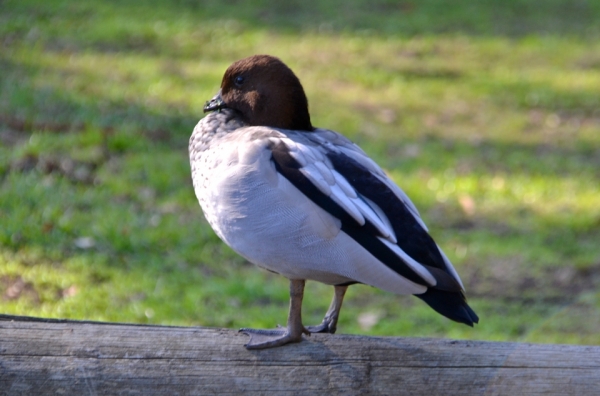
239 80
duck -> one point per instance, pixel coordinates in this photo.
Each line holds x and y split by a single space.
309 204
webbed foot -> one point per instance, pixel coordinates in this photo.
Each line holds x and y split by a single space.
329 323
262 339
326 326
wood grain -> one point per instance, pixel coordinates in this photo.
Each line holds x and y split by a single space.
44 357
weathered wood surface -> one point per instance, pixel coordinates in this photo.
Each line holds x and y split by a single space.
40 357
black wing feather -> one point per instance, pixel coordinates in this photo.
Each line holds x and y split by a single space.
446 297
412 238
452 305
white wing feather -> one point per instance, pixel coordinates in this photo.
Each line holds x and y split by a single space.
339 197
299 157
326 172
312 173
357 154
412 263
374 214
344 185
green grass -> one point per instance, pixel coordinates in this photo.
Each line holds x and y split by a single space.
486 113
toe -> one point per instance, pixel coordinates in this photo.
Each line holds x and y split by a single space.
262 339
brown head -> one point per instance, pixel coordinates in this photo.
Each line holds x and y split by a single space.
265 92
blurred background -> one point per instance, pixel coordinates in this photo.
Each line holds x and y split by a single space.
486 113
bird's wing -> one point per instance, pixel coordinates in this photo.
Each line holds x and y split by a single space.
339 143
340 178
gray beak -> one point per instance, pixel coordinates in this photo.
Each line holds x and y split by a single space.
215 104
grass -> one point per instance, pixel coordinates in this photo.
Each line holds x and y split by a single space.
486 113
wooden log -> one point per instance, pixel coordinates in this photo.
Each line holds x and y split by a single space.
43 357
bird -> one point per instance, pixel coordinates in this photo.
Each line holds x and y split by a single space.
309 204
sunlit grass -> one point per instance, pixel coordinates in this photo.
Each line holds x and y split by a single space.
489 122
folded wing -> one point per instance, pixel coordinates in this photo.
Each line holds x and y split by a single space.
339 177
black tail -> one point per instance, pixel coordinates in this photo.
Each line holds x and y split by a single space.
452 305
